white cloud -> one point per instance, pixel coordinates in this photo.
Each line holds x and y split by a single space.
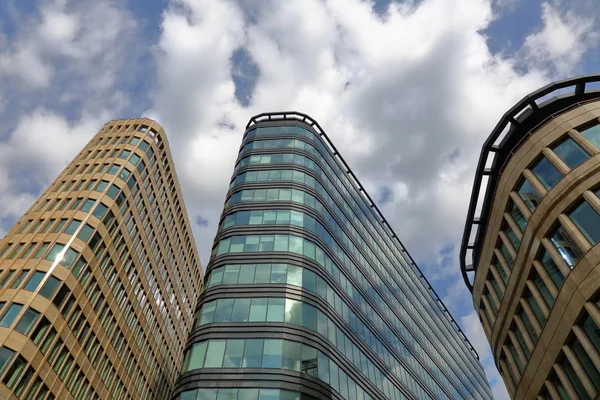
562 41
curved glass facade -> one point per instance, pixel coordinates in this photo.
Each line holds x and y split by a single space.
310 295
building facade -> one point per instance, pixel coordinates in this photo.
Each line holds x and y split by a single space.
309 294
98 279
529 252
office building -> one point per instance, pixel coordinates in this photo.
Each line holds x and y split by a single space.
309 294
529 251
99 278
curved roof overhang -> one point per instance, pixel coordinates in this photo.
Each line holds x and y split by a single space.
514 128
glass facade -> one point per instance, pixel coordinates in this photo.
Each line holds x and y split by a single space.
99 278
307 287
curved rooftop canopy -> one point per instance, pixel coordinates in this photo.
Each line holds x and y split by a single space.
513 129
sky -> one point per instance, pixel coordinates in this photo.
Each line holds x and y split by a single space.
407 91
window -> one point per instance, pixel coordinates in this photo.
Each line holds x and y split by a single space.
215 353
593 135
552 269
529 195
566 246
49 287
41 251
10 315
6 355
587 220
7 277
13 374
34 281
547 173
570 152
20 277
55 253
27 321
87 206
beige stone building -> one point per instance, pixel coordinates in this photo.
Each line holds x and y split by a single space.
529 252
98 278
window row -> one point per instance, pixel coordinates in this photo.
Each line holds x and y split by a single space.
244 394
296 313
280 354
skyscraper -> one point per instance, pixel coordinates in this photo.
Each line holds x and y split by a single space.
530 249
309 294
99 277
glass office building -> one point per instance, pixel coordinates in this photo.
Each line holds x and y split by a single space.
530 251
99 278
309 294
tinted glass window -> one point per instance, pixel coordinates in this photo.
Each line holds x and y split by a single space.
571 153
588 221
593 135
529 195
546 173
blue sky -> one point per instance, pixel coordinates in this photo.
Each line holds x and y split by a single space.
408 91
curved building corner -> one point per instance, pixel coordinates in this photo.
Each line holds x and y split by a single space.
309 294
530 252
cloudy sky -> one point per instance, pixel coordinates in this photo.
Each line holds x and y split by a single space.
407 90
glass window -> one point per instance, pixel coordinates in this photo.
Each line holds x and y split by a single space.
113 191
27 321
6 355
241 307
10 315
587 220
87 206
253 353
197 356
276 310
85 233
72 227
258 310
223 311
566 246
542 288
546 173
529 195
552 269
20 277
512 236
7 277
54 254
592 331
233 354
101 186
49 287
272 353
215 353
34 281
292 355
41 251
570 152
13 374
593 135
